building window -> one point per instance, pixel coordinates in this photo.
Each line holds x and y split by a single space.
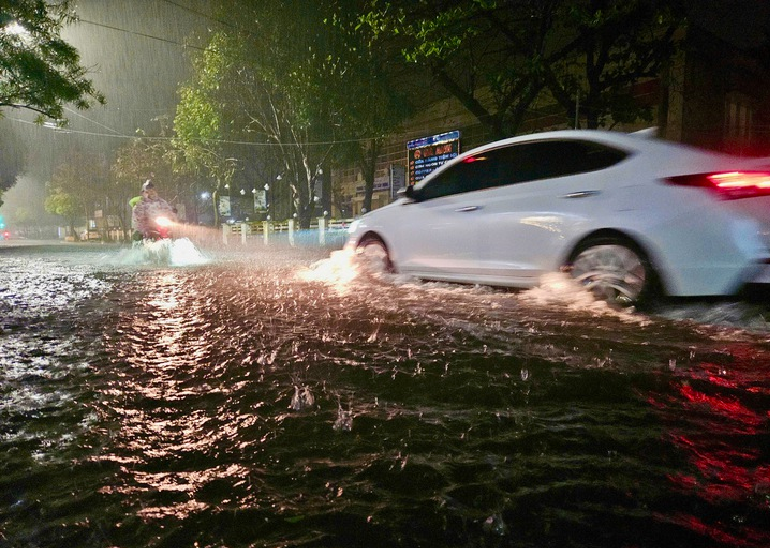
739 119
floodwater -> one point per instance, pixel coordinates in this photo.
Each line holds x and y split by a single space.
285 397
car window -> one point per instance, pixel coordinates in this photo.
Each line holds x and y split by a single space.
550 159
472 173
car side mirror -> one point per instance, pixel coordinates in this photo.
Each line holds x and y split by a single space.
408 192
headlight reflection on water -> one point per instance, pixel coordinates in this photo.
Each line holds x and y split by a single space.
163 365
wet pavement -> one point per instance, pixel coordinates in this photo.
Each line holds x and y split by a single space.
277 396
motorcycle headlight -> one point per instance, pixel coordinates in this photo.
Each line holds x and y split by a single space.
163 221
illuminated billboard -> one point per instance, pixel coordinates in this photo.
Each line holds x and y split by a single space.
428 153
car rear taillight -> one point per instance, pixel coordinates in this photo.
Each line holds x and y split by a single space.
730 185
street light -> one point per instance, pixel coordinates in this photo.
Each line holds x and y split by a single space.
267 200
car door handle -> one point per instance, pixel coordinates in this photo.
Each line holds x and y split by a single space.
581 194
469 208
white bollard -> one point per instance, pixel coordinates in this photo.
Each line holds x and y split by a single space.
322 230
245 232
265 230
225 232
291 232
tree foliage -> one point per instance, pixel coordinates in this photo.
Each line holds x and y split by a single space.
61 199
38 70
12 159
614 44
503 59
489 55
200 133
78 187
302 87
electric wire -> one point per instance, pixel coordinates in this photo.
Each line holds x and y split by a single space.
218 141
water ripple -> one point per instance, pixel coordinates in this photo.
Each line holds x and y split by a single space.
266 399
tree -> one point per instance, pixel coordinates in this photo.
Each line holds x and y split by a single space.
369 103
613 45
199 123
302 89
487 54
23 217
273 98
38 70
502 59
12 160
77 187
60 202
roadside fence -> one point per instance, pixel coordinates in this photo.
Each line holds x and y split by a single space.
322 232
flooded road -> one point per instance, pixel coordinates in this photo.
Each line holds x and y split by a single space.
282 397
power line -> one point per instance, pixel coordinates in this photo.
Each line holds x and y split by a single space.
199 13
143 34
219 141
92 121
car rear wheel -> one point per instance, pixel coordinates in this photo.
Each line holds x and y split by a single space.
375 254
614 271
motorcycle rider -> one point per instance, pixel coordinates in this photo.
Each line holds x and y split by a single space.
136 236
147 210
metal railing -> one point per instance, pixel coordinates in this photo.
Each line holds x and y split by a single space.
323 232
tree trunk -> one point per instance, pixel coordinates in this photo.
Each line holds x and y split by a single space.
368 161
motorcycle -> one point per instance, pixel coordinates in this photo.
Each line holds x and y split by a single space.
161 230
158 242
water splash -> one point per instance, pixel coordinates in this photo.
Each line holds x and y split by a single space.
344 422
184 253
302 399
559 289
167 252
339 270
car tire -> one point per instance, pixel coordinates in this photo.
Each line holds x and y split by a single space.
374 251
614 270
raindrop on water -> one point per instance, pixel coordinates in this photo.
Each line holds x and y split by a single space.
344 422
494 525
302 399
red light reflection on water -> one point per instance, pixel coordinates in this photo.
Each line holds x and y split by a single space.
747 538
719 412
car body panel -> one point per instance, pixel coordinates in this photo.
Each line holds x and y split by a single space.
437 236
512 234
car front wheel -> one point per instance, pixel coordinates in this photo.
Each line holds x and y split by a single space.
613 271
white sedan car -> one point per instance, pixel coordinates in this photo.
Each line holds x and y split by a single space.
630 216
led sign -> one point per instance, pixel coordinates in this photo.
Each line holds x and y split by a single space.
428 153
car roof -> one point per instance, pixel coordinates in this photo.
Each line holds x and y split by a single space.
627 141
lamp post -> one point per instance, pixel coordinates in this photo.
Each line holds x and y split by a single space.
204 198
267 200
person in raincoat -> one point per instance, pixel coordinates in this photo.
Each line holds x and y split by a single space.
147 210
136 236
